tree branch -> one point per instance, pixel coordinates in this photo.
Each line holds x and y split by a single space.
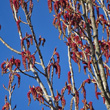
9 46
26 74
72 76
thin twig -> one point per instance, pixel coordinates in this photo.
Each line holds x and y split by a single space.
106 65
16 19
52 76
26 74
51 57
38 63
23 22
39 71
9 46
35 52
14 107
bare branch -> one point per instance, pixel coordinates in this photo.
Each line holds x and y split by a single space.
39 71
72 76
9 46
26 74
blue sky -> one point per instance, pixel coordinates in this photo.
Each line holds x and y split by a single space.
42 23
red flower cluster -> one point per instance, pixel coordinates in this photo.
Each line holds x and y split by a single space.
27 36
55 65
26 55
87 105
15 4
104 23
9 64
6 106
11 78
105 48
37 93
63 101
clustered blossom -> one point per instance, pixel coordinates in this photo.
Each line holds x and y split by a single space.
15 4
37 93
59 97
74 42
89 105
69 88
7 65
63 9
10 66
28 42
26 56
55 65
98 93
11 78
6 106
86 105
104 23
105 48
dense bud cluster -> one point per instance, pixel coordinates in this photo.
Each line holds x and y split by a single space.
54 64
7 65
37 93
26 56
